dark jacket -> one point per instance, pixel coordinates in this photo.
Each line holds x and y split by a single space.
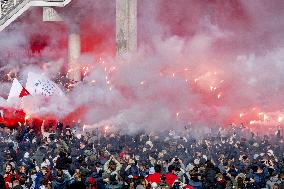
196 184
61 183
63 162
210 174
134 171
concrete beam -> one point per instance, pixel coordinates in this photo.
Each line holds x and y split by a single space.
19 9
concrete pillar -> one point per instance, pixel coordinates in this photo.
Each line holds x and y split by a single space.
74 52
126 26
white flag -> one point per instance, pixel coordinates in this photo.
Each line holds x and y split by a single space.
17 91
40 85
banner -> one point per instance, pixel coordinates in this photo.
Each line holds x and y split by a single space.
40 85
17 91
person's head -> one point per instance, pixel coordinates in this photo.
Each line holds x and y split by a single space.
273 173
8 168
131 184
131 161
154 185
68 132
209 164
44 170
171 169
176 185
15 182
46 183
281 176
143 182
33 171
92 181
22 169
59 173
77 176
158 168
259 169
112 165
23 179
240 180
82 145
31 131
219 177
77 171
98 164
62 154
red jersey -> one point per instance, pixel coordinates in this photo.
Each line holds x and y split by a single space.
170 178
156 177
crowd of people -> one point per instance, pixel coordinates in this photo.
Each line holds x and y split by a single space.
67 158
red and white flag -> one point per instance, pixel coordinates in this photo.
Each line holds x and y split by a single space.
17 90
40 85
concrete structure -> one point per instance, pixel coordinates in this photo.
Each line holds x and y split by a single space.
49 14
74 52
74 42
126 26
12 9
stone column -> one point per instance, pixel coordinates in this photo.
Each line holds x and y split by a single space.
126 26
74 42
74 52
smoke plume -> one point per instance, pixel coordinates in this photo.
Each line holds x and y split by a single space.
199 63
